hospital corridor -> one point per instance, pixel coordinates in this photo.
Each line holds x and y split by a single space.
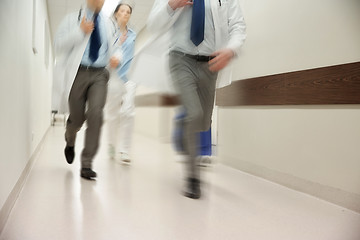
142 201
271 153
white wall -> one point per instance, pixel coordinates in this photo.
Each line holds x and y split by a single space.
290 35
313 149
24 89
303 148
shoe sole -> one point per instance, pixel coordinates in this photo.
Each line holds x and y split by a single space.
192 196
88 178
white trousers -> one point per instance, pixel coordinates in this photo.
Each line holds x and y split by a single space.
120 113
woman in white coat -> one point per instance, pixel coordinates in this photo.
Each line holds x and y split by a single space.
120 107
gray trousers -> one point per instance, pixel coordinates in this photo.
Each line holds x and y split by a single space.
86 102
196 85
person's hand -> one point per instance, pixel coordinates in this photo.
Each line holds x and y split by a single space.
114 62
221 60
174 4
86 26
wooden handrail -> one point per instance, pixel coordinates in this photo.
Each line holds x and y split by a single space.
339 84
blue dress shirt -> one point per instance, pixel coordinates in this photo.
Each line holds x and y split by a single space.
104 55
127 48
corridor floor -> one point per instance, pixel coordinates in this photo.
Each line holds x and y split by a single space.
144 201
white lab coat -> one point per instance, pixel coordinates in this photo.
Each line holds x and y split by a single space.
70 44
229 33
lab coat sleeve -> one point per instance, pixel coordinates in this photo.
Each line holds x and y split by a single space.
160 16
237 27
114 47
68 35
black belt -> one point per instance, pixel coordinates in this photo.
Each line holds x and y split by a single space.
199 58
83 67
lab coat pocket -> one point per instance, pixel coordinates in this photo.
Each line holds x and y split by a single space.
223 12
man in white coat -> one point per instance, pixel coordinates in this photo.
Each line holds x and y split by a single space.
83 46
205 35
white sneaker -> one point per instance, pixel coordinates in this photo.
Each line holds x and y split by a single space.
125 158
111 151
204 161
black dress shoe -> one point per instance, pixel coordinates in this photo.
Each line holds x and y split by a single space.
87 173
69 154
193 188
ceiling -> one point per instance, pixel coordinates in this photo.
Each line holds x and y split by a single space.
57 9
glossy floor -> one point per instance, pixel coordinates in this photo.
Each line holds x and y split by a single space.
144 201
